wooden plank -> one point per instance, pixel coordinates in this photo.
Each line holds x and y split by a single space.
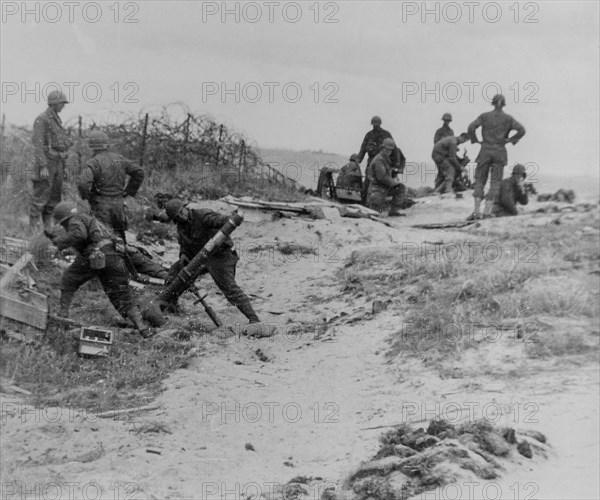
442 225
31 310
15 269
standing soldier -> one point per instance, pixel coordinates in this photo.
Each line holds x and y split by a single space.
495 126
371 146
98 255
444 130
195 227
383 183
444 156
50 143
102 183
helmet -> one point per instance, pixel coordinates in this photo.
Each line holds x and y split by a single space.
56 97
376 120
519 170
173 208
354 157
464 136
498 100
389 143
447 117
98 140
64 211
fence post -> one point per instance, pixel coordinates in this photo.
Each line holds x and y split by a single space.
2 130
242 157
219 145
186 137
144 137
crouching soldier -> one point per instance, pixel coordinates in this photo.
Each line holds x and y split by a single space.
350 176
195 227
98 256
383 183
446 161
102 183
511 192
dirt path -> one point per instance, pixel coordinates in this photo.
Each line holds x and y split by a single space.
312 401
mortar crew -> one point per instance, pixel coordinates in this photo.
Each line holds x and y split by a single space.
446 161
98 255
195 227
350 176
51 143
495 126
371 145
511 192
383 183
102 184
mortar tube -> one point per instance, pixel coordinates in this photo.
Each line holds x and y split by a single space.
189 273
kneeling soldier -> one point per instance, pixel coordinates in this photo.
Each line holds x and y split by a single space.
511 192
195 227
98 256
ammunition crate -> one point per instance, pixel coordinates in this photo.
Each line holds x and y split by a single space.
95 341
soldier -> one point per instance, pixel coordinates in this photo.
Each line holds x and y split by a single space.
495 126
195 227
51 143
371 146
98 255
383 183
350 176
102 183
511 192
444 130
444 156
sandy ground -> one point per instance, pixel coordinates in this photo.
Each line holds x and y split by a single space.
313 401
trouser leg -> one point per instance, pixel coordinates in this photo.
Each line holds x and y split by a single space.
222 270
144 265
114 279
74 276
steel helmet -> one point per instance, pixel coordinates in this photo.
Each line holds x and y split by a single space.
389 143
97 140
376 120
56 97
519 170
173 208
447 117
498 100
64 211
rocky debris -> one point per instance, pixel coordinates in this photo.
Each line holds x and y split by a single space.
411 461
562 195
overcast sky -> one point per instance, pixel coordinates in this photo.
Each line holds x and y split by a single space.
354 58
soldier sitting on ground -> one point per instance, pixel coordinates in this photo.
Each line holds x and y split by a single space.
195 228
350 176
511 192
99 254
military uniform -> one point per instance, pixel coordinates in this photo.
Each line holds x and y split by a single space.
193 234
50 143
509 194
440 133
495 126
382 185
371 146
350 176
102 183
444 156
84 234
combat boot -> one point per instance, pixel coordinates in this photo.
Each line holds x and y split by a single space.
247 310
135 316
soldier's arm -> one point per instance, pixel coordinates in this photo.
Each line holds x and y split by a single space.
507 199
379 172
363 148
86 182
76 234
209 218
522 196
136 177
515 125
437 136
473 128
40 132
